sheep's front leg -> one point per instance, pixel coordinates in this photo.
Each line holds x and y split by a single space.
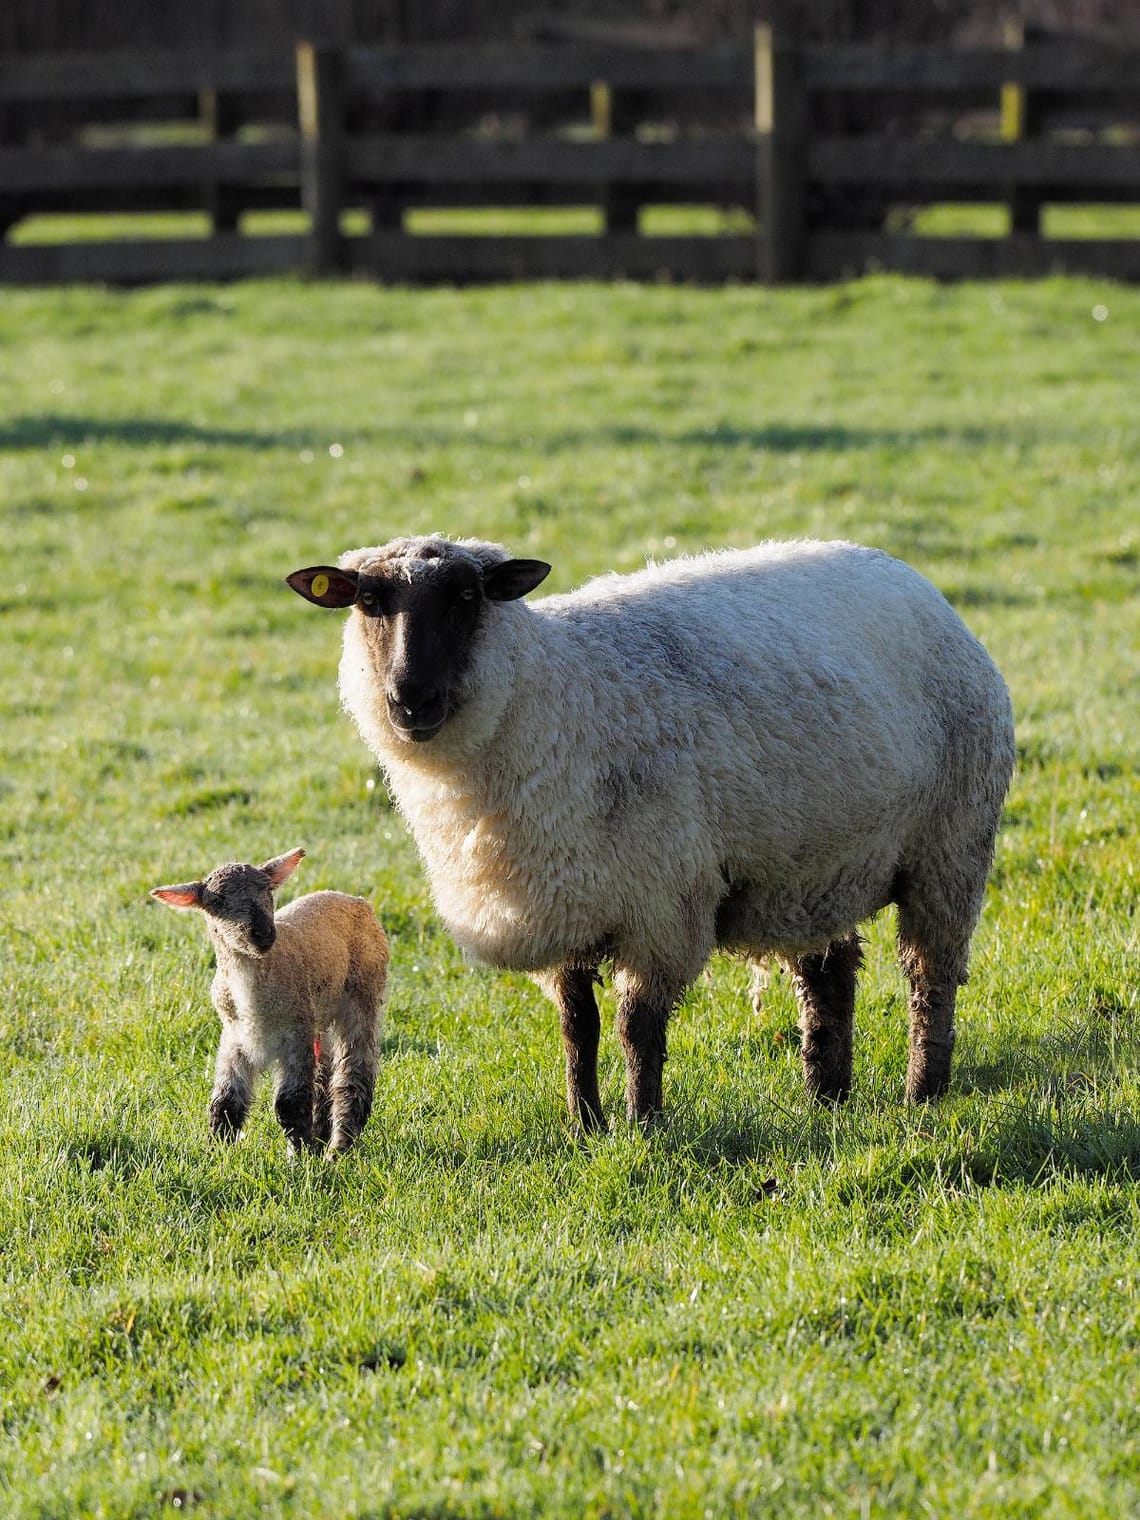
572 988
293 1097
233 1087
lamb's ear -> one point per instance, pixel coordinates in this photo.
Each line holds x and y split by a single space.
325 585
514 578
187 895
281 867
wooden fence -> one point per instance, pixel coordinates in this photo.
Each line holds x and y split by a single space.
815 149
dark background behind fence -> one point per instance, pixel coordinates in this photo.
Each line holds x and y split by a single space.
36 25
812 159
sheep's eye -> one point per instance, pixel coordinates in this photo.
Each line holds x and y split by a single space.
368 599
467 594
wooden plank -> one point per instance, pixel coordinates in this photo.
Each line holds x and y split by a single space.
401 258
226 257
139 73
840 255
981 169
67 169
536 67
456 160
1071 66
148 199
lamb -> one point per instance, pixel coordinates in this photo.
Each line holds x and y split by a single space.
749 750
301 990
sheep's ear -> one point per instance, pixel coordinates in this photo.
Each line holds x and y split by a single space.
187 895
281 867
325 585
514 578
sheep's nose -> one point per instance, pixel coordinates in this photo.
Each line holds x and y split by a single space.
264 939
413 707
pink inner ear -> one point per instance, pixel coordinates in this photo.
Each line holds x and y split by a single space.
177 897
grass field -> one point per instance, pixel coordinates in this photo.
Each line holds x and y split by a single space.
762 1308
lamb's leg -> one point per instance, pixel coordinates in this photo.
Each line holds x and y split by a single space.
825 989
643 1013
351 1087
322 1096
233 1087
293 1097
572 988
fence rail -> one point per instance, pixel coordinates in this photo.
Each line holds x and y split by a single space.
817 146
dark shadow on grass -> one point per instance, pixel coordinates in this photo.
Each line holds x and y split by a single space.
55 430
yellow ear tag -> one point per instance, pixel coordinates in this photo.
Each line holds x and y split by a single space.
320 584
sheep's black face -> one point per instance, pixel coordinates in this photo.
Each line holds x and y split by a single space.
422 632
239 900
421 603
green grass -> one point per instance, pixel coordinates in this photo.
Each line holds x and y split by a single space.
1091 221
762 1308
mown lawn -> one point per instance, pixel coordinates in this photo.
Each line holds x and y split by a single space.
762 1307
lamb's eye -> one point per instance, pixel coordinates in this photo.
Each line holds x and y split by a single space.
368 599
467 595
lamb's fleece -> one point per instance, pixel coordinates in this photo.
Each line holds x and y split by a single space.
743 748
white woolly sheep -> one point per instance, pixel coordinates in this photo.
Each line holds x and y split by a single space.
301 990
755 750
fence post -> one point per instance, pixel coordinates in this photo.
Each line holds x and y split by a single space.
611 115
781 126
320 109
220 117
1020 118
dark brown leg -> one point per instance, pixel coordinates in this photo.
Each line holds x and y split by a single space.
293 1098
931 1039
641 1025
322 1097
572 988
233 1088
825 988
934 957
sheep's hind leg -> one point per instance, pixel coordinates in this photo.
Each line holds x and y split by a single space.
572 988
642 1018
233 1087
825 989
935 974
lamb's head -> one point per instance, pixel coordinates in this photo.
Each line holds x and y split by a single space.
421 603
237 900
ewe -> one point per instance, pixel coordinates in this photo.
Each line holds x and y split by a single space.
755 750
301 991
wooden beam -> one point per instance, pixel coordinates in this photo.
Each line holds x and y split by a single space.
430 160
534 67
403 258
67 169
841 255
226 257
143 73
972 170
1072 67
